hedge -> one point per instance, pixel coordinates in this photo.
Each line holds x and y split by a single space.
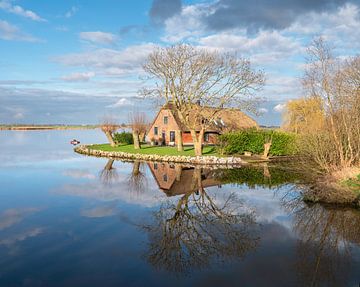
123 138
253 140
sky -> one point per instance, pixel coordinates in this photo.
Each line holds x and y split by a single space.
75 62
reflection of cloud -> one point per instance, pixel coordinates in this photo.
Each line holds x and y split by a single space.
266 204
22 236
99 211
11 217
79 173
119 191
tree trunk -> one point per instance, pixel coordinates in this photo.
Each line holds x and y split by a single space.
109 165
110 138
136 168
180 146
198 141
267 147
136 140
178 171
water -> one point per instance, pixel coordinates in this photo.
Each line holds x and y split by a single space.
71 220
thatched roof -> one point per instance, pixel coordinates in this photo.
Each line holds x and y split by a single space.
226 119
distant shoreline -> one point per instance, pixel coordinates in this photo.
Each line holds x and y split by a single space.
47 127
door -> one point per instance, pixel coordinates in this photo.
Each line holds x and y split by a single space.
172 136
163 135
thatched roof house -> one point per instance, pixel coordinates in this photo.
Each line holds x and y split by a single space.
167 122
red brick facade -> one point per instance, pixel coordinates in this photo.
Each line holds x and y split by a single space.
166 126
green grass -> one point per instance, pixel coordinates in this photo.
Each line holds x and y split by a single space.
159 150
353 183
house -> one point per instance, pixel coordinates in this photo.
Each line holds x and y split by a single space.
167 122
174 179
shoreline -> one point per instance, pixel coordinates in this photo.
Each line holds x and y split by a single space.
46 127
195 160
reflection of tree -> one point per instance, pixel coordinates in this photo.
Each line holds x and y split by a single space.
198 228
137 178
269 176
324 247
109 174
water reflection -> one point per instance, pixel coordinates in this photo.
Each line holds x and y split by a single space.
197 228
71 220
326 237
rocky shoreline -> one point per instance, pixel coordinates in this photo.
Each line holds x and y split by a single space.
195 160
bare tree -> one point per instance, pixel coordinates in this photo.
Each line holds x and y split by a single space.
336 84
138 123
109 126
195 79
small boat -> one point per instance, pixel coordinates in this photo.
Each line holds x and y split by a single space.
74 142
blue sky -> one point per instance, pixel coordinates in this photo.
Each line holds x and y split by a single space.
76 61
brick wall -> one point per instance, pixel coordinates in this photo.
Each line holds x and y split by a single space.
162 127
171 126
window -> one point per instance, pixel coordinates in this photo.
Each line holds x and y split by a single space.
155 165
206 137
166 119
156 131
172 136
165 177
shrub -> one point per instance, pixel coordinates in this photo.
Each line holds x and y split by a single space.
123 138
253 140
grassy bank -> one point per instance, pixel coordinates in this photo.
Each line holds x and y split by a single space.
158 150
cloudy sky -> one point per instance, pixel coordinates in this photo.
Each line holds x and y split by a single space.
76 61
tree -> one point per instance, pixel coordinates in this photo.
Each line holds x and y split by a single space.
304 115
138 124
109 126
336 84
195 79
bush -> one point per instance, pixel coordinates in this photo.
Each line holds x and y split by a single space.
253 140
123 138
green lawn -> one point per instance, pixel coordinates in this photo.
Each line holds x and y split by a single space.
159 150
353 183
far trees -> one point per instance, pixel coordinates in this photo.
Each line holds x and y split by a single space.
194 79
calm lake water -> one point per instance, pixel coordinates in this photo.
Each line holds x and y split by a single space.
72 220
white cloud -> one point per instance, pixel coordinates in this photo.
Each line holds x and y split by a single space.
10 32
17 113
267 47
187 24
110 62
79 77
98 37
18 10
279 108
71 12
121 103
340 27
263 110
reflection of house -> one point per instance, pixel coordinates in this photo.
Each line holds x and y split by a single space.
167 122
173 179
